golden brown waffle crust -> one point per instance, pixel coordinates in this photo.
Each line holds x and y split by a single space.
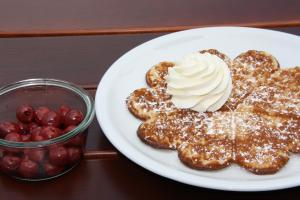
156 76
195 136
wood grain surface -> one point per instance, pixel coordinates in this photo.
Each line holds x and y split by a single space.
79 59
77 17
120 179
114 27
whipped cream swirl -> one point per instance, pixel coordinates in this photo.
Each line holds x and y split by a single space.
201 82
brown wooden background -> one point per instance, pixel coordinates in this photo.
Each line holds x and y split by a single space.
78 40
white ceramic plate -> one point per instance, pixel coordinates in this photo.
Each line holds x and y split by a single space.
128 74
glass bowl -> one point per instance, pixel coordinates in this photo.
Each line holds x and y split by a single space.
42 159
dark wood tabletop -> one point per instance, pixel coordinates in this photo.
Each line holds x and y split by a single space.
77 41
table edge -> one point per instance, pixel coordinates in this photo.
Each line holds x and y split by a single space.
139 30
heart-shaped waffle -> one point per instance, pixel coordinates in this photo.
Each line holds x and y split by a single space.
279 101
249 70
256 128
147 102
168 130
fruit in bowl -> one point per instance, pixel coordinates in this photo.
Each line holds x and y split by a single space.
47 138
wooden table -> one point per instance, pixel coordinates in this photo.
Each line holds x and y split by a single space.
92 34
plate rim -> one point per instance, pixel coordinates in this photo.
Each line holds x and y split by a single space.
130 152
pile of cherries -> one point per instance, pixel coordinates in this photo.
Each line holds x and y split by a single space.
40 124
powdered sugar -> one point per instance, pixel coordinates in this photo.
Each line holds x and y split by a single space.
258 129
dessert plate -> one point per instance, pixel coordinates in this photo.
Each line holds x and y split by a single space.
128 74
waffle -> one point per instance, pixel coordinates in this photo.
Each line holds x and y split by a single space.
286 79
279 101
249 70
144 103
201 140
212 141
257 127
210 146
259 145
167 131
272 101
221 55
155 77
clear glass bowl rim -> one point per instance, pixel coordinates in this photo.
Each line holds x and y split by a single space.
85 96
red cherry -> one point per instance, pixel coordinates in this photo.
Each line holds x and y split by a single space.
36 134
28 168
24 129
8 127
51 119
37 138
35 130
74 154
73 117
10 163
26 138
25 113
39 114
78 140
58 155
14 137
69 128
52 170
32 126
36 155
50 132
63 110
